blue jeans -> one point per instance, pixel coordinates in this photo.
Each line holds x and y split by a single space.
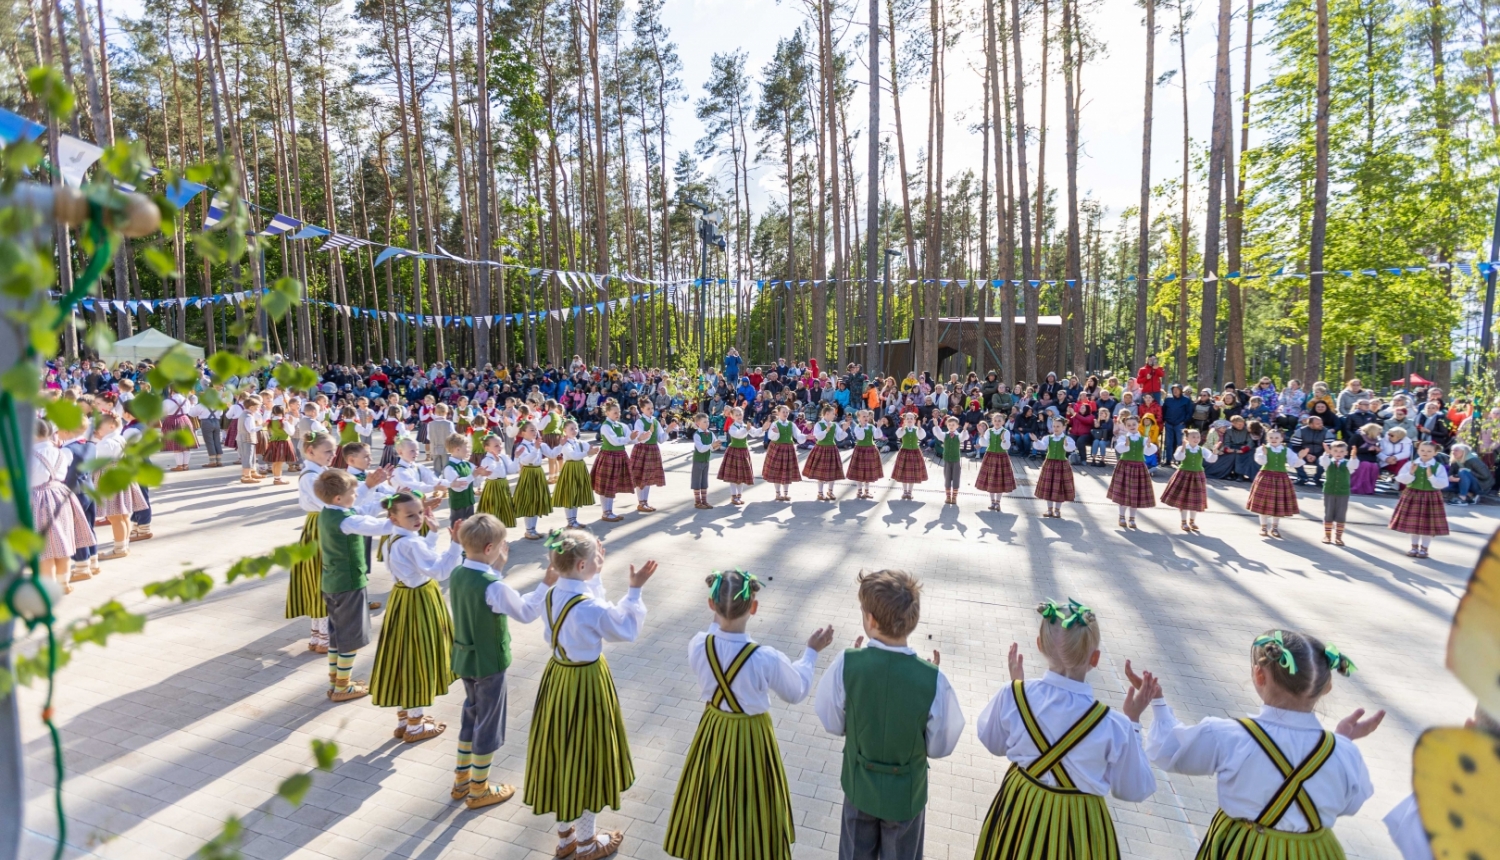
1302 468
1170 440
1020 443
1468 485
1097 448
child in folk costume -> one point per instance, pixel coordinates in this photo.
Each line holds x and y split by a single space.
80 483
572 490
611 472
1419 511
780 466
732 798
1271 495
1067 749
438 431
408 474
279 448
211 422
303 590
532 498
479 429
865 467
1130 488
577 756
457 478
951 441
1338 473
117 508
493 474
1282 779
390 431
345 572
232 416
704 446
735 469
348 434
824 464
995 474
177 430
645 458
249 430
1187 491
414 658
891 707
552 436
1055 483
56 514
910 468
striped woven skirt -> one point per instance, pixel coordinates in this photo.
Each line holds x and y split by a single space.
304 591
577 757
552 440
1420 512
611 475
1272 495
735 468
59 516
170 424
865 466
124 503
495 500
388 456
1187 491
780 465
996 474
732 800
823 464
1131 485
1055 483
1032 821
280 451
572 489
1238 839
910 468
533 499
414 657
645 466
232 433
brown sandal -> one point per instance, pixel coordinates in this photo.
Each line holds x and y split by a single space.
430 729
356 690
460 790
567 848
598 850
492 795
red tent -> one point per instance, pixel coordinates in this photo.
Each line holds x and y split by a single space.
1415 380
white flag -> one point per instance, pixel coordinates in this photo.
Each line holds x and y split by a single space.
75 157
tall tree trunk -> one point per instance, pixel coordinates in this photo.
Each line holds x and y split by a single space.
394 41
1005 205
1143 229
601 184
1072 89
911 239
1024 199
1319 231
1208 338
1234 220
482 305
1182 236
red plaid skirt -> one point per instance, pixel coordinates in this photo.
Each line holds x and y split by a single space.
552 440
910 468
170 425
645 466
338 458
735 468
1186 491
1420 512
865 466
232 433
1055 484
611 475
1272 495
823 464
995 474
780 465
1131 485
280 451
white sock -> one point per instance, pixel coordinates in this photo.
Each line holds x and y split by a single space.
1122 511
413 714
906 488
1275 522
531 524
572 513
644 494
1263 520
609 506
585 825
321 625
1424 541
183 457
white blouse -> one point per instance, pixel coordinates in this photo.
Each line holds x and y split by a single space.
940 434
773 432
568 449
1122 444
739 430
945 719
528 454
49 463
1208 455
983 443
766 671
414 559
903 432
823 428
414 477
1438 478
593 621
615 433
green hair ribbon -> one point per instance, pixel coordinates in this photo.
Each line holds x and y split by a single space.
554 541
713 589
747 579
1078 614
1281 655
1338 661
1050 612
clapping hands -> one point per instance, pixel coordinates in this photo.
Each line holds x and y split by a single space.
1143 688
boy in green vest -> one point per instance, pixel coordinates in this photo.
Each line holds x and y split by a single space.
895 711
457 476
1337 467
704 446
950 445
346 573
482 605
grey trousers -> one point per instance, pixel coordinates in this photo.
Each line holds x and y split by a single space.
952 473
213 436
348 620
1335 509
483 722
700 476
865 837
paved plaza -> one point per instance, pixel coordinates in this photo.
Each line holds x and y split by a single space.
169 732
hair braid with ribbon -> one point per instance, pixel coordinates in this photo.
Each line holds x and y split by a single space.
732 591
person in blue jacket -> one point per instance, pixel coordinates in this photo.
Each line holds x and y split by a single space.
1176 412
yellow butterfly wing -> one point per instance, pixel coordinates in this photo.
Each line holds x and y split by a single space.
1474 641
1456 776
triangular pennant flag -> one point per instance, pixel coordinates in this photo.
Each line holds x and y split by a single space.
217 208
181 192
14 127
75 157
388 253
310 231
280 224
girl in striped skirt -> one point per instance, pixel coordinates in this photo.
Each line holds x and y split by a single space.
1055 484
735 469
910 468
645 458
532 496
995 474
1130 488
572 490
493 472
611 474
577 756
780 466
304 590
552 437
823 464
1282 779
732 798
117 508
56 513
413 657
1188 489
1067 749
1271 495
1419 512
865 467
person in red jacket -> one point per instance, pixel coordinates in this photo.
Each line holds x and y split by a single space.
1149 378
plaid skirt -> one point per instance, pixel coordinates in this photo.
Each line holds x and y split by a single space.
1420 512
865 466
1186 491
280 451
910 468
1272 495
552 440
232 433
645 466
611 475
735 468
780 465
995 474
823 464
1131 485
59 517
169 427
1055 483
124 503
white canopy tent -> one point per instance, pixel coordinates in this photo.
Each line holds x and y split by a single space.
149 344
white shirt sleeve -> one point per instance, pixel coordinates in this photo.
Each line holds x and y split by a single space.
791 682
360 524
1407 473
1174 747
621 622
1260 455
828 704
608 432
797 434
508 602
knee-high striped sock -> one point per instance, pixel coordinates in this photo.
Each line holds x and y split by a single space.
461 770
344 669
333 667
479 773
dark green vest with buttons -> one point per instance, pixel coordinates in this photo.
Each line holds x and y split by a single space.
1136 452
344 566
996 444
909 440
864 436
887 697
784 434
705 438
1057 449
951 447
1192 461
481 637
1275 461
832 438
462 498
1336 479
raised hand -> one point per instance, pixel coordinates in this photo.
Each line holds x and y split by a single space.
1354 728
1142 691
551 575
1017 662
859 642
453 532
821 638
639 578
937 657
